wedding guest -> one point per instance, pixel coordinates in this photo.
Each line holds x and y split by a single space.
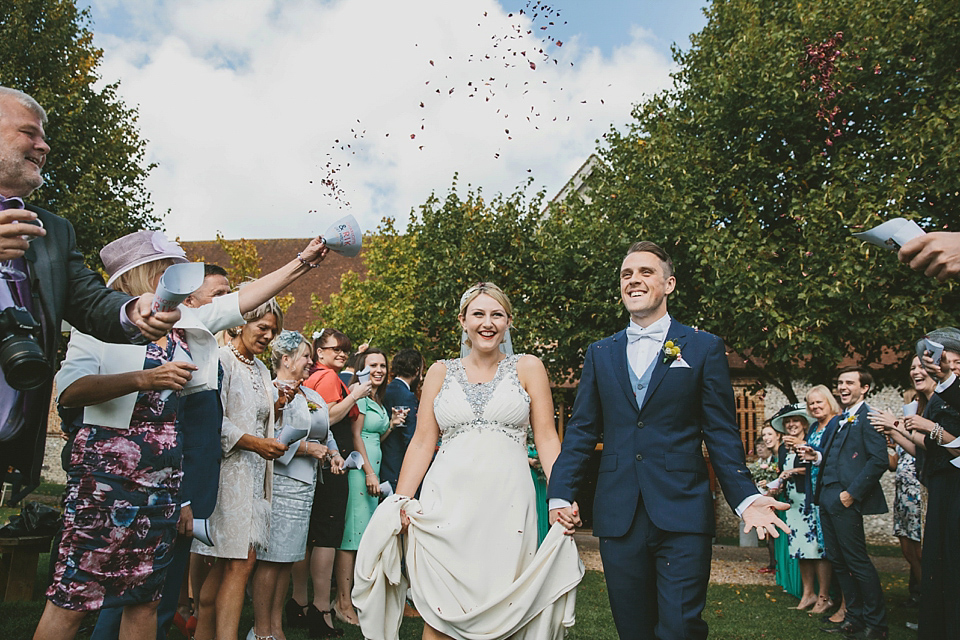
822 407
369 427
331 350
764 470
940 425
788 567
119 403
295 475
241 520
804 544
937 254
854 457
908 499
407 367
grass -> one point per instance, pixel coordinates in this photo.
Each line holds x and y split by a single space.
734 612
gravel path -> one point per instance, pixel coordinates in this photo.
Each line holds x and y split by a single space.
731 565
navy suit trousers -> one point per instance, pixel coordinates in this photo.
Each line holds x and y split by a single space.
657 581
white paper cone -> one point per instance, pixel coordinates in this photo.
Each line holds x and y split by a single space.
363 376
202 531
385 489
910 409
892 234
176 283
353 461
344 236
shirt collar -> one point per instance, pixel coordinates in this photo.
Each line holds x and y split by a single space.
852 411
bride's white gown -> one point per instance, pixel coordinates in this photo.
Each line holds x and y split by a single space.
471 553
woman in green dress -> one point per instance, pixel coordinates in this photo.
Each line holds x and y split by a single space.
369 428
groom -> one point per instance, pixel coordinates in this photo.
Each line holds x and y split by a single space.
656 392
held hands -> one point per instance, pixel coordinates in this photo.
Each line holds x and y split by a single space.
12 242
170 375
152 325
937 254
569 517
761 515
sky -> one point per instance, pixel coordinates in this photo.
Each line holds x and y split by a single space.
274 118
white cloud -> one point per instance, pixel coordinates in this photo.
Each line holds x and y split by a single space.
242 102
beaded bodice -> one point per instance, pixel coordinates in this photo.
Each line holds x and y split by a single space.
500 405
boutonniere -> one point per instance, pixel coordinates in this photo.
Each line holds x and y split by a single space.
313 406
849 420
671 351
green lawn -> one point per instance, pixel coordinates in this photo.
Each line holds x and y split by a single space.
733 613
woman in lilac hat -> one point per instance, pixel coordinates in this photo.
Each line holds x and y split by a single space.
119 403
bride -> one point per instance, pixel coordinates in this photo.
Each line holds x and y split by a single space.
470 543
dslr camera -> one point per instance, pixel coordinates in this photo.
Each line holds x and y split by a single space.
21 358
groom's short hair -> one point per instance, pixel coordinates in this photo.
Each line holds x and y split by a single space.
645 246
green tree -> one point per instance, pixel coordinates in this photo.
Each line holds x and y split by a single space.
788 127
95 171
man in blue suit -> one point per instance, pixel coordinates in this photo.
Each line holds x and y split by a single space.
852 458
407 367
200 415
656 391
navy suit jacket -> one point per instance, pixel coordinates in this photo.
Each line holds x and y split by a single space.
394 446
862 456
655 450
200 416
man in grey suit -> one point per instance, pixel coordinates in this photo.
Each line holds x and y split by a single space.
58 285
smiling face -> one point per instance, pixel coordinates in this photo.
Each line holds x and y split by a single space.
295 366
331 355
849 389
377 364
818 407
213 286
644 287
953 361
486 323
921 380
256 335
23 149
770 438
794 426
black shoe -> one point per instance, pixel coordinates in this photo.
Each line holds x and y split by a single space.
845 627
296 615
318 626
870 634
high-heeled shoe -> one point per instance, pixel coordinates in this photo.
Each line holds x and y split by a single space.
296 614
253 636
342 617
317 624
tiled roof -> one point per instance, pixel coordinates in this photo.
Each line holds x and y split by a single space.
274 253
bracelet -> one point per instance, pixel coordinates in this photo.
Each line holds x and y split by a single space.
372 474
939 435
302 261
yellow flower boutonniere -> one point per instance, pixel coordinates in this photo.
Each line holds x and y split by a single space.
313 406
671 351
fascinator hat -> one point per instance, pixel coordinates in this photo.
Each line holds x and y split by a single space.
137 248
497 294
798 409
287 341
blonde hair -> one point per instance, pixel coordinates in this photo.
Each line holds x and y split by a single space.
489 289
270 306
826 395
278 349
142 278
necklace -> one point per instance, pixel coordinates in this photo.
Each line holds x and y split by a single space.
233 349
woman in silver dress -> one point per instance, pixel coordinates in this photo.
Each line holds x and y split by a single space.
295 475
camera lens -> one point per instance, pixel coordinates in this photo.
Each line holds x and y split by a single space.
24 366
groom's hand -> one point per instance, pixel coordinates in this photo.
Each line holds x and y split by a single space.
762 516
569 517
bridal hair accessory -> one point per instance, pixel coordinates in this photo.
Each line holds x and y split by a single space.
287 341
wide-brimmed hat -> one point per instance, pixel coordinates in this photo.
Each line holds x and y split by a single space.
137 248
798 409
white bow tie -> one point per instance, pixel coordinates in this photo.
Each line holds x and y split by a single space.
635 333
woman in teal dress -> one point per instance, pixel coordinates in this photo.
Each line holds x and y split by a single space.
539 486
369 428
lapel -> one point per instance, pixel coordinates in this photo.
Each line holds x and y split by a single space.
38 269
620 365
676 332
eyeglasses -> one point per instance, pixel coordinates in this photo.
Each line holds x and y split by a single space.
337 349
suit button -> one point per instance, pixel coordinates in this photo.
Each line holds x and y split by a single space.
639 457
639 424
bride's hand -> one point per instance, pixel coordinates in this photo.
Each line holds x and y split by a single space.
404 522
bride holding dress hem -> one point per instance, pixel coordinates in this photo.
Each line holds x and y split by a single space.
477 502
